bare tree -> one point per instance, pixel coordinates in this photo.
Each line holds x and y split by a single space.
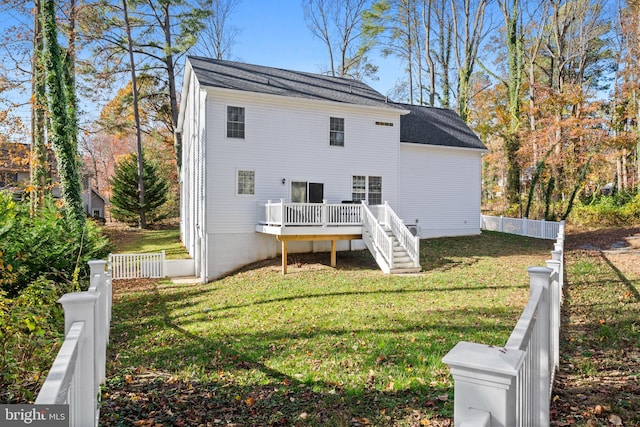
218 37
427 7
338 23
468 23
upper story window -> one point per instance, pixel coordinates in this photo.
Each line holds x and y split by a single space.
336 131
235 122
246 182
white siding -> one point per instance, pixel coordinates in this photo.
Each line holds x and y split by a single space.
440 187
289 139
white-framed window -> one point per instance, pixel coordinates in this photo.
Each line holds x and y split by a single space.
336 131
367 188
359 188
375 190
235 122
246 182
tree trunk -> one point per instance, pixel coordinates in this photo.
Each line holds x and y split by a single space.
39 158
515 52
136 116
62 141
426 19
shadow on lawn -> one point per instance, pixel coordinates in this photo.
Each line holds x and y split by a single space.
270 397
597 383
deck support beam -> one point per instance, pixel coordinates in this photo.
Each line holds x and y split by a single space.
313 237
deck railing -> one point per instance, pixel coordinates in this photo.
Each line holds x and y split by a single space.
540 229
511 385
407 240
376 238
314 214
79 368
137 266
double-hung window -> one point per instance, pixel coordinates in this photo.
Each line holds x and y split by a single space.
336 131
235 122
367 188
246 183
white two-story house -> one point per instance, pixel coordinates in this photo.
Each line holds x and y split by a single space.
277 161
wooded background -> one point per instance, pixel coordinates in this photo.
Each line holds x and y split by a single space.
551 86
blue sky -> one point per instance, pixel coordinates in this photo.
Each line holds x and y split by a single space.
274 33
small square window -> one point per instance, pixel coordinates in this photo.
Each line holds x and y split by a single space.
336 131
246 182
235 122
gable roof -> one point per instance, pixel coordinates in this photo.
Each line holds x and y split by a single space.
275 81
436 126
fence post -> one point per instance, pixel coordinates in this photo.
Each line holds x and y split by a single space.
540 277
163 257
485 378
558 255
97 285
80 307
108 279
543 229
555 294
525 227
501 224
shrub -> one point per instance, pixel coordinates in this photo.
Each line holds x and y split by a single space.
607 211
44 244
31 331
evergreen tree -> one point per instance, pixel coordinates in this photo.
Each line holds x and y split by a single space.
125 193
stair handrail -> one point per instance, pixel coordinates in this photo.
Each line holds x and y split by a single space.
408 241
382 242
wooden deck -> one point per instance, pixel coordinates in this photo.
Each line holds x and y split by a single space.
339 221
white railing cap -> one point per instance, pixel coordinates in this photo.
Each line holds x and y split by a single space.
77 298
472 360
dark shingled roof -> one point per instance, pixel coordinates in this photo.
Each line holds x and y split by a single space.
436 126
275 81
424 125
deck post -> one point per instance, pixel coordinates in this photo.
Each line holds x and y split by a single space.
284 256
333 253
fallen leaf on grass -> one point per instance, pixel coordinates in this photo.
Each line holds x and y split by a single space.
615 420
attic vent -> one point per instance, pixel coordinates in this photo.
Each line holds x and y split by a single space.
384 124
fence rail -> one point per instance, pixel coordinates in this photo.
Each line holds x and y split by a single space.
137 266
540 229
79 367
511 386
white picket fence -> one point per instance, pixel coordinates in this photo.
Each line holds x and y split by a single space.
137 266
79 368
512 385
540 229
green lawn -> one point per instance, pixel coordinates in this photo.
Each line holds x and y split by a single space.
133 240
319 346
